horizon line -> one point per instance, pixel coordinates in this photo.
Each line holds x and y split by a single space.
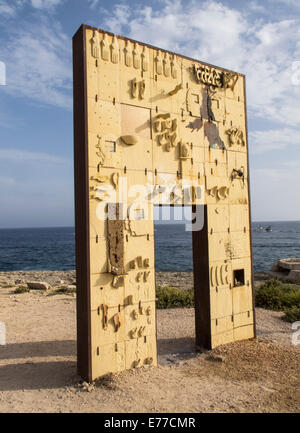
157 223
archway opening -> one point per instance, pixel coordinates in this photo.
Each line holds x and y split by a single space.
174 283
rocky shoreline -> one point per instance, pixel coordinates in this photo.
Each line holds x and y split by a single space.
182 280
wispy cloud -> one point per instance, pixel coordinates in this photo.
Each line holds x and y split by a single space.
294 163
21 156
45 4
11 7
287 3
93 3
211 31
7 180
6 8
38 54
38 63
270 140
275 192
255 6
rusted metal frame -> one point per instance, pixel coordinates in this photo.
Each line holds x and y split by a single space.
249 210
202 283
84 355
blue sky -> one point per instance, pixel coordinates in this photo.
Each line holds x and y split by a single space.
258 38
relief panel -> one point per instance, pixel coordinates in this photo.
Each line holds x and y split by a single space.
162 129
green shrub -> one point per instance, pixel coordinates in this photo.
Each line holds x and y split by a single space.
292 315
272 295
63 291
7 285
171 297
275 295
21 289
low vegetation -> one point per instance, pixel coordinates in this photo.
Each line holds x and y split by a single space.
272 295
292 314
63 290
21 289
275 295
171 297
7 285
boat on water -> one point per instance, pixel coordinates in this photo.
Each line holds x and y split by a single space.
268 229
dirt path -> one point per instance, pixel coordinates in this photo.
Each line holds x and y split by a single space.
38 366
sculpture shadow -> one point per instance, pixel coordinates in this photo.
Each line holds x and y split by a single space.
174 350
38 349
28 374
159 97
37 375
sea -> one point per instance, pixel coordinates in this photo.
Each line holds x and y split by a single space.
54 248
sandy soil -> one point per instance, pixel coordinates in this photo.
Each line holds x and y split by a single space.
38 364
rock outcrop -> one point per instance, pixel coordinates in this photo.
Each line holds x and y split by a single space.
287 270
38 285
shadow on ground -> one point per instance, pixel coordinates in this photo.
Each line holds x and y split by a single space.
174 350
38 349
29 374
37 375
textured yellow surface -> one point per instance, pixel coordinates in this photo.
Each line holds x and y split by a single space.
156 119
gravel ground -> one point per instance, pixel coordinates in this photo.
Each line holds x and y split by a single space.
182 280
38 364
